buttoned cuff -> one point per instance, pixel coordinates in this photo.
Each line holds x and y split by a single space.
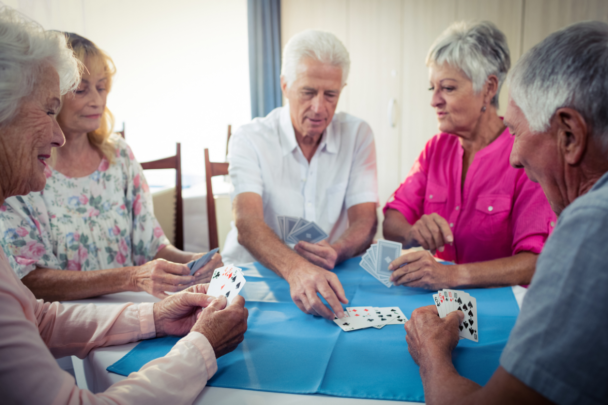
532 244
199 341
146 320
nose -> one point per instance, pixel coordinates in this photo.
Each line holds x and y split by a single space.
514 159
95 98
318 104
436 99
58 139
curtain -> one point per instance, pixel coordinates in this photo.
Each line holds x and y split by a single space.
264 17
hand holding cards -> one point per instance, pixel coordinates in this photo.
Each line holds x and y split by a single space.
377 258
201 261
448 301
367 317
226 281
294 230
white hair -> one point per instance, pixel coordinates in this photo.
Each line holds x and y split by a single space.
320 45
25 49
568 69
478 49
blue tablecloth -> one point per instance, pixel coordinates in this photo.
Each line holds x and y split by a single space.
287 351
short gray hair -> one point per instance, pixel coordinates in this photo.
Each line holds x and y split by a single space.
25 48
567 69
320 45
478 49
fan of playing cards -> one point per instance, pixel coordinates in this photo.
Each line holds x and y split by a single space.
377 258
368 317
201 261
448 301
226 281
293 230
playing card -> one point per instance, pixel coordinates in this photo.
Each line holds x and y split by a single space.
311 233
360 312
288 224
439 305
387 252
344 323
281 220
469 327
226 281
201 261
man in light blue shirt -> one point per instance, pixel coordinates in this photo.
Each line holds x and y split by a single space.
558 350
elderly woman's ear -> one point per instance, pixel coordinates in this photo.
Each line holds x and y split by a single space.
490 89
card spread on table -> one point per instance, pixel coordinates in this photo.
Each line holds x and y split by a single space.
226 281
448 301
367 317
294 230
377 258
201 261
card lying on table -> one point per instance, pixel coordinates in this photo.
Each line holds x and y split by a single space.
448 301
377 258
367 317
226 281
201 261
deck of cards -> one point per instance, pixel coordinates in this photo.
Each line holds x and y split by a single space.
377 258
226 281
201 261
370 317
294 230
448 301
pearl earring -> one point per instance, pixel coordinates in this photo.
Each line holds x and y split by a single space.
483 109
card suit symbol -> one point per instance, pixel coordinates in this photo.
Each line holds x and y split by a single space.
227 294
466 325
238 285
389 315
471 322
345 324
470 305
366 310
354 310
370 320
233 279
393 310
460 327
459 301
459 308
383 319
470 313
471 330
216 274
465 306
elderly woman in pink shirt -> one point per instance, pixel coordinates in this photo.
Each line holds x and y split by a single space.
462 200
37 68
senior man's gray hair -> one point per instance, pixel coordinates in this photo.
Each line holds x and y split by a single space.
567 69
25 48
478 49
320 45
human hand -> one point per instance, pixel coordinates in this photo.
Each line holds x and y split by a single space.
176 314
420 269
432 232
430 338
308 280
321 254
203 275
159 275
223 328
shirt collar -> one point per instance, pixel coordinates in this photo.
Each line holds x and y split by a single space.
329 141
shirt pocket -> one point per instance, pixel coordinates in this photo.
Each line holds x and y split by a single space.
492 214
335 201
435 199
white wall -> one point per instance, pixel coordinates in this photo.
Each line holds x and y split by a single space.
182 69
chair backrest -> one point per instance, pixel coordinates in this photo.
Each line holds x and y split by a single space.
227 138
173 162
213 169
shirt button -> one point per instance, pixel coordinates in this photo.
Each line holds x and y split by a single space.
457 208
490 208
431 196
452 225
552 223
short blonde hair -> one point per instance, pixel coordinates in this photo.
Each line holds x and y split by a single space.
97 60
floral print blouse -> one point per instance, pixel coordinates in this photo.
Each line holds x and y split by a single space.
101 221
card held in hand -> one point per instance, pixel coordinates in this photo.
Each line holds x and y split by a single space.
201 261
226 281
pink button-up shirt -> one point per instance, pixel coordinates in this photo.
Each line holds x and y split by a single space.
33 331
498 212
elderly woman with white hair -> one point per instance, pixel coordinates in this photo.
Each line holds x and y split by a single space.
462 200
94 216
37 68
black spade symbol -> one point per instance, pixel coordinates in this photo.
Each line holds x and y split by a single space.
470 305
238 285
389 315
459 301
471 321
345 324
465 306
470 313
370 320
383 319
471 330
460 327
460 308
466 325
227 294
393 310
233 278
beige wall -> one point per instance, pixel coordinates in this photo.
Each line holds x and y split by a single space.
388 41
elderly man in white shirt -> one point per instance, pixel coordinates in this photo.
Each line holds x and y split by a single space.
302 160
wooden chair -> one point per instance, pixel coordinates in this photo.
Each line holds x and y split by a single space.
173 162
213 169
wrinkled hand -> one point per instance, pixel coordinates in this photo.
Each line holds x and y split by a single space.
421 270
159 275
176 314
321 254
432 232
304 284
203 275
430 337
223 328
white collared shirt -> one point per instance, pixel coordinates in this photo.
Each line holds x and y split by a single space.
266 159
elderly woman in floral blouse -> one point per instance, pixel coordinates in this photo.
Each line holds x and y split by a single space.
95 212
